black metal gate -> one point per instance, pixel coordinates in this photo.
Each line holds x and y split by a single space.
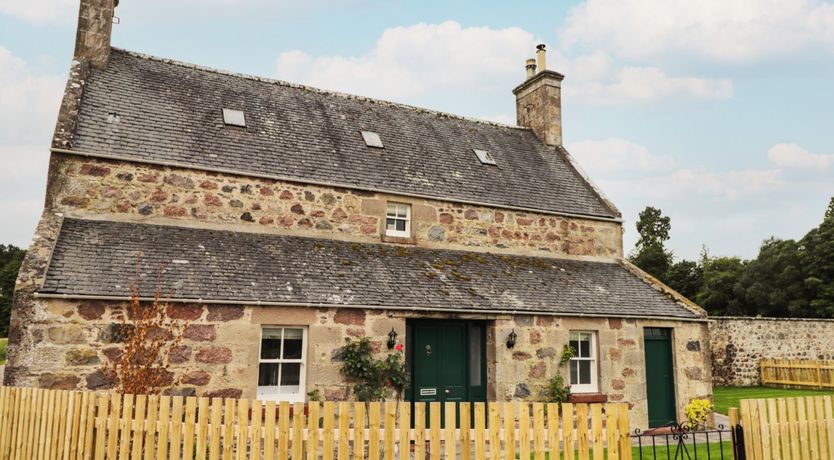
681 442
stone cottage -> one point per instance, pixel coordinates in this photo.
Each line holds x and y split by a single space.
280 219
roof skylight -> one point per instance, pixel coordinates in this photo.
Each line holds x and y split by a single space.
234 118
484 157
371 139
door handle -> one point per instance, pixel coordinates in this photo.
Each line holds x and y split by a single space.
447 391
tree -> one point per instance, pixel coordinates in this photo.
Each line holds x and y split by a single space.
772 284
686 277
11 258
719 294
819 246
650 253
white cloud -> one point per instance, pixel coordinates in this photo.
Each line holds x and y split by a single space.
616 155
795 157
729 31
407 62
642 85
28 108
41 12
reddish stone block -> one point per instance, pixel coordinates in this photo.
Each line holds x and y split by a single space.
626 342
628 372
523 221
123 206
356 332
185 312
336 394
285 195
198 378
159 196
266 220
368 229
286 221
298 209
470 214
175 211
617 384
615 354
113 354
615 323
545 321
521 356
180 354
111 192
538 371
212 200
58 381
215 355
100 380
499 217
91 311
224 312
317 214
351 316
94 170
200 332
305 222
148 178
208 185
233 393
446 218
266 191
535 337
339 214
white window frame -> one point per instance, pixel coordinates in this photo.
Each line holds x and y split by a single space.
273 392
397 206
592 387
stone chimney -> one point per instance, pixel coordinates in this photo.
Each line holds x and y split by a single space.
538 102
95 23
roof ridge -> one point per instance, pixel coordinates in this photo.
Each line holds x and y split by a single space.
313 89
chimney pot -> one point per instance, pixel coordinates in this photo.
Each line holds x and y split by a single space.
540 52
531 68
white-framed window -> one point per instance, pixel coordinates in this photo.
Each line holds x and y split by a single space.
583 365
281 368
398 220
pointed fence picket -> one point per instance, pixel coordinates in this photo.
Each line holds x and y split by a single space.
58 424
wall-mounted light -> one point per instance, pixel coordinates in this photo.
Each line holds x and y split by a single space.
511 339
392 338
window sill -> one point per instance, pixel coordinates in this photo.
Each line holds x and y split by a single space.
588 398
399 239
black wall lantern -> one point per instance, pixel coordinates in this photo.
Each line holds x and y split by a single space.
511 339
392 338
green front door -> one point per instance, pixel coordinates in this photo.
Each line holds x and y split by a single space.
660 377
447 361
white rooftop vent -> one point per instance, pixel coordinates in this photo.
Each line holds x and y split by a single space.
371 139
484 157
234 118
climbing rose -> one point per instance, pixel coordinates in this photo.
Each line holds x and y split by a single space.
399 347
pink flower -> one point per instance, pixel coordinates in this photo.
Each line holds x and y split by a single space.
399 347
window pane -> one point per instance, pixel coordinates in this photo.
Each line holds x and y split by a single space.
584 372
271 344
585 346
293 343
475 356
402 212
390 224
290 377
574 372
400 225
392 210
575 345
268 374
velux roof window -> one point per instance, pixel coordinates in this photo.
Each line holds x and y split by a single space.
372 139
234 118
484 157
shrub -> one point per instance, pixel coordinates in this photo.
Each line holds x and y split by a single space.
697 412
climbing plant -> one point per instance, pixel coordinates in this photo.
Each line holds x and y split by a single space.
556 391
374 378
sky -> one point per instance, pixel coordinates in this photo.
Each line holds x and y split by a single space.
719 113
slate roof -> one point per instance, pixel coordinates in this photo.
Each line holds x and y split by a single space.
172 112
100 258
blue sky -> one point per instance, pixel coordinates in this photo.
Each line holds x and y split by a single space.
718 113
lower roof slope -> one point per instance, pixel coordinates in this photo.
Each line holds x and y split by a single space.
100 258
147 109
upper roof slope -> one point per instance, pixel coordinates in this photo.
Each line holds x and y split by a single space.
100 258
172 112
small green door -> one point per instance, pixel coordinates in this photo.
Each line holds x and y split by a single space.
660 377
447 361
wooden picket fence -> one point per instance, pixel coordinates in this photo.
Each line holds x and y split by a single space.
57 424
788 428
797 373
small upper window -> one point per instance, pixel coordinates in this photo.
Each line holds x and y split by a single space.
372 139
484 157
398 220
234 117
583 365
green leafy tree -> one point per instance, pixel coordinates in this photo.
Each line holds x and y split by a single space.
719 294
686 277
650 253
819 246
11 258
773 284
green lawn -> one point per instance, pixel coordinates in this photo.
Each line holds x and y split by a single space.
727 397
715 450
4 343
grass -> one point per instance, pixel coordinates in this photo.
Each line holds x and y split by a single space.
715 450
4 343
727 397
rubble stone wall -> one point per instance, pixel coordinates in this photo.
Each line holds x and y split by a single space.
739 343
146 193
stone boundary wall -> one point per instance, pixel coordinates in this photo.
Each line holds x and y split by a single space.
740 343
148 193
